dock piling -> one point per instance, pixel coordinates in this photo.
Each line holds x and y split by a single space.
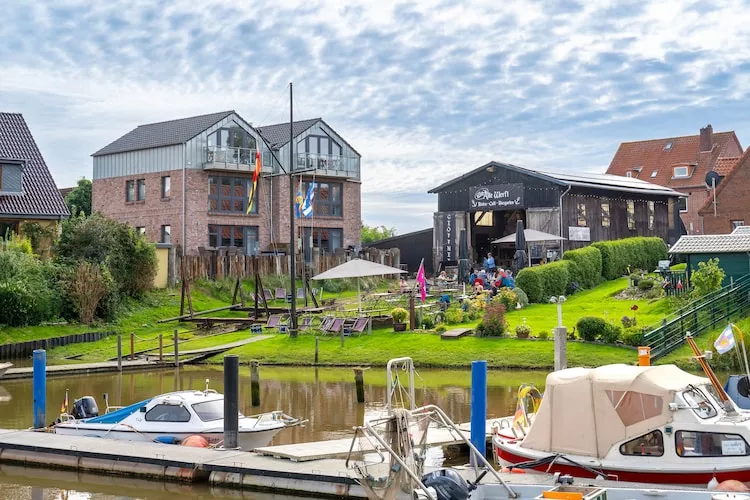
119 352
561 347
478 408
316 350
255 382
231 400
359 380
161 348
40 389
176 349
132 346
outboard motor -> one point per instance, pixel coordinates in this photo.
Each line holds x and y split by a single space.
85 408
447 484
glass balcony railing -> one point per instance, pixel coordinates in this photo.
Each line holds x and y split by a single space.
226 157
332 164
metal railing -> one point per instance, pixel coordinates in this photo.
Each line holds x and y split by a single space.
701 315
340 165
230 157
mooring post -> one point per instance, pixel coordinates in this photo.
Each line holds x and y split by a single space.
119 352
161 348
359 380
255 382
561 347
40 388
132 346
231 400
316 350
478 408
411 312
176 349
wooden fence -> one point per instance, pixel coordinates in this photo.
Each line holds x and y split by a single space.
217 267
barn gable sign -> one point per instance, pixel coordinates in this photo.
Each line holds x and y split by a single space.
496 197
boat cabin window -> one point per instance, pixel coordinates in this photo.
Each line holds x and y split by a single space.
209 410
709 444
699 403
168 413
651 444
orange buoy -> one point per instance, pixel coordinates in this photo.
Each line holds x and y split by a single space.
195 441
732 485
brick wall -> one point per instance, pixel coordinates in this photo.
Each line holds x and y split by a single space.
731 203
697 197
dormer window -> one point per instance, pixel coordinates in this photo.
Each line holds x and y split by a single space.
10 178
653 174
668 146
680 172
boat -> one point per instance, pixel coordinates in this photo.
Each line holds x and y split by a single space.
4 367
171 418
654 424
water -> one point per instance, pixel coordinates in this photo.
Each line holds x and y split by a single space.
325 396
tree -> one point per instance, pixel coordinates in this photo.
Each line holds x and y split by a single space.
375 233
79 200
707 278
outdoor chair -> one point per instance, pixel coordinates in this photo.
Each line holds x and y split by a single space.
274 321
326 323
306 323
360 325
301 293
267 294
281 293
336 325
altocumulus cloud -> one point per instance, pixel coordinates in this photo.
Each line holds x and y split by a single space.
425 90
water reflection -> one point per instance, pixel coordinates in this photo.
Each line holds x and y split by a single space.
325 396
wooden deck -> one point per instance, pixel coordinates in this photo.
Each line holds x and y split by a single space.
455 333
80 368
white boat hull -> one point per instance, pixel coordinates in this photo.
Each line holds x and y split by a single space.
4 367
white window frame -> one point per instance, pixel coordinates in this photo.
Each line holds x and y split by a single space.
687 207
675 175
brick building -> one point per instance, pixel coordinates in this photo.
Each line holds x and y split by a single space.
731 209
681 163
187 181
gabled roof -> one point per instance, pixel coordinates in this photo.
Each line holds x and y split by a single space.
277 135
711 243
169 133
726 165
564 179
743 162
654 156
40 196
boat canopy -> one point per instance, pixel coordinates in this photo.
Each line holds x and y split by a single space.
585 411
115 417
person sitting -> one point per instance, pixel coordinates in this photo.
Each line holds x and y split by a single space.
404 285
442 278
472 276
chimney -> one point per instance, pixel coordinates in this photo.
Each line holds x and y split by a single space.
707 138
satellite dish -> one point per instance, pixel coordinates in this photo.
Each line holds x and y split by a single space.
712 177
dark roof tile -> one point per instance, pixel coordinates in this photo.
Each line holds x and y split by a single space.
277 135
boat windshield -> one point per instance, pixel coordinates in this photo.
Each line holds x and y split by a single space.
210 410
699 403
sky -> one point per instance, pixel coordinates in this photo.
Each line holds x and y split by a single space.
424 90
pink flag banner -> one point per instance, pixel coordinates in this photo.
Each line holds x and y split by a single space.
421 282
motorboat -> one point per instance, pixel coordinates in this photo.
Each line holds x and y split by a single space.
4 367
171 418
655 424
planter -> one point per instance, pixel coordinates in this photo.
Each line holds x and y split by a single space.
399 327
522 335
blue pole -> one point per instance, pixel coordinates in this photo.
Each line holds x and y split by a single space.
478 407
40 388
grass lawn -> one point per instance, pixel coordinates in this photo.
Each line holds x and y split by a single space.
427 350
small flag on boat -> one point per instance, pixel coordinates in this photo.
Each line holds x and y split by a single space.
519 419
64 407
725 342
422 282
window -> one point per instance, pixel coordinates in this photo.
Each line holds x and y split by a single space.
629 173
682 202
141 193
210 410
581 213
631 215
709 444
244 237
651 214
680 172
166 234
668 146
605 213
484 219
229 194
166 186
140 230
328 199
654 173
737 223
319 144
651 444
325 240
7 229
168 413
699 403
129 190
11 178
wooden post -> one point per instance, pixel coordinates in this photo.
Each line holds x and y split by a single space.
176 349
119 352
161 348
411 311
132 346
316 350
255 382
359 380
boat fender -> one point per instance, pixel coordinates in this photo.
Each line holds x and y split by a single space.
513 470
195 441
712 484
166 439
732 485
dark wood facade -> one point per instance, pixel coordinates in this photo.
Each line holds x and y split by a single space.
413 248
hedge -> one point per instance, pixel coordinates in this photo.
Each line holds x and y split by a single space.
640 252
586 268
530 281
542 282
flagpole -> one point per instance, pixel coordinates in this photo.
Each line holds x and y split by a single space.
744 352
292 249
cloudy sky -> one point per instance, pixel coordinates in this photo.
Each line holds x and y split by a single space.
425 90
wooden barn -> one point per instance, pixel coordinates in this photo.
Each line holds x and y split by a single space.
486 203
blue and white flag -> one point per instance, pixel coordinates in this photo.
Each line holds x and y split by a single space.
725 342
307 204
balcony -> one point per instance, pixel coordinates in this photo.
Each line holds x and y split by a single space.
224 159
329 165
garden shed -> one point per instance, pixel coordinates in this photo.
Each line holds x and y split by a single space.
732 250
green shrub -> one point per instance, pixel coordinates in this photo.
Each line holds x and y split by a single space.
523 331
611 334
633 337
587 266
707 278
531 282
628 322
454 316
17 304
428 322
590 327
523 299
555 278
544 334
506 297
493 323
19 244
399 314
646 284
441 328
639 252
31 291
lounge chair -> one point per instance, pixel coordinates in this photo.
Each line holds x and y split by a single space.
305 324
326 323
281 293
301 293
267 294
274 321
336 325
360 325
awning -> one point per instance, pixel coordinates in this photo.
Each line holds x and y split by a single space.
531 235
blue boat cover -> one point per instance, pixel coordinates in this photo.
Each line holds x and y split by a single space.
731 389
115 417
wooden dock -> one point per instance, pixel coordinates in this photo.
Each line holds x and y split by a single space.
81 368
455 333
210 351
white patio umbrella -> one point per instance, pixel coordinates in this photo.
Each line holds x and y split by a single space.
531 235
357 268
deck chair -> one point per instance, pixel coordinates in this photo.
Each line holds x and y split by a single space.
274 321
267 294
336 325
305 324
360 325
301 293
326 323
281 293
